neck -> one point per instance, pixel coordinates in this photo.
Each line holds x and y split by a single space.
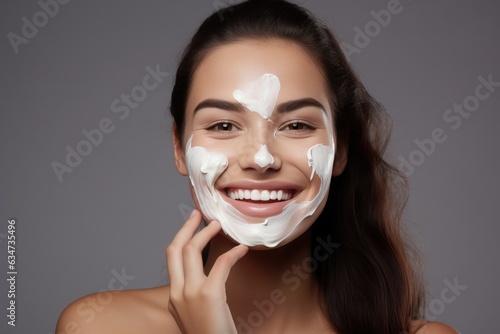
270 288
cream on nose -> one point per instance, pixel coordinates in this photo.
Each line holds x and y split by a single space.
263 158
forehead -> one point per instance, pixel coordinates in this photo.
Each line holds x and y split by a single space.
231 66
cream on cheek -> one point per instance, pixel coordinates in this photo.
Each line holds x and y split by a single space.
205 167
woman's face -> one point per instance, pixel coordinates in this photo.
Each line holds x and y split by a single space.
258 140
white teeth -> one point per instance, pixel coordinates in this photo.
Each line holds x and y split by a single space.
264 195
273 195
255 196
260 195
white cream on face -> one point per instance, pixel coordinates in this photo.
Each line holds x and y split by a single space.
260 95
263 158
206 166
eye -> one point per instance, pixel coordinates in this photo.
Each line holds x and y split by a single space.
223 127
297 126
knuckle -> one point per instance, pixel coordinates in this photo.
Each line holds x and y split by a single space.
174 298
189 249
189 294
225 259
207 293
171 250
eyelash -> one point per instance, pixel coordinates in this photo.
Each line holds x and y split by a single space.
213 127
306 127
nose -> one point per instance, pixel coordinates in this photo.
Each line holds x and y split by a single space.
259 157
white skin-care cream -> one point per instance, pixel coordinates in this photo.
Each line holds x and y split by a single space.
205 167
263 158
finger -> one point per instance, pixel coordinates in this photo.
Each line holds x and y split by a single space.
223 265
174 250
193 261
188 229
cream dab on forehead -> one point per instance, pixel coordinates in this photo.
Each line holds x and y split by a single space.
260 96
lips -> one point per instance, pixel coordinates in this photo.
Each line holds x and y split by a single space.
260 200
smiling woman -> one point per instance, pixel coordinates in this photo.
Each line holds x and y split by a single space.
284 149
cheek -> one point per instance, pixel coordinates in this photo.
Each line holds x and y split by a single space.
195 201
226 146
193 196
196 140
294 155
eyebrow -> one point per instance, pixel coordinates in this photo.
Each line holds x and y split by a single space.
219 104
281 108
298 104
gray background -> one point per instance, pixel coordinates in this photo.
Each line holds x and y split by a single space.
123 204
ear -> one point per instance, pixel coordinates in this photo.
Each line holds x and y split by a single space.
180 161
340 159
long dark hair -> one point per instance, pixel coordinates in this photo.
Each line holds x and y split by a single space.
369 284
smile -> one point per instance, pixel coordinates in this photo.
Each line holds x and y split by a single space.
260 195
257 201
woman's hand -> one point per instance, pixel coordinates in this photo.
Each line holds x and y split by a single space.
197 301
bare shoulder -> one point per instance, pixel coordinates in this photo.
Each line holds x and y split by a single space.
432 327
125 311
